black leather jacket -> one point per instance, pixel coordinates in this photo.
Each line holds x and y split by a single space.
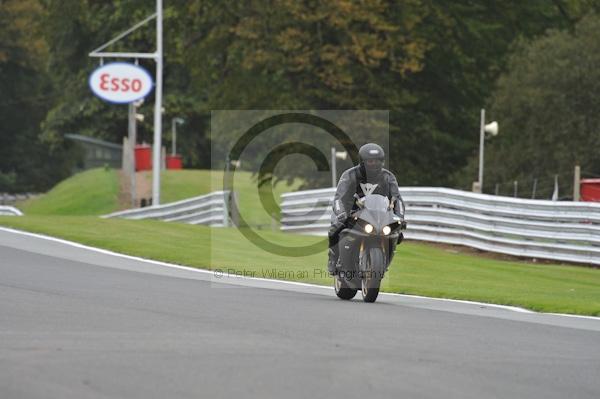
353 181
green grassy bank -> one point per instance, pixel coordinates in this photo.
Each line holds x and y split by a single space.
96 191
93 192
418 269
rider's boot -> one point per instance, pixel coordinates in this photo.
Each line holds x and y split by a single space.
331 263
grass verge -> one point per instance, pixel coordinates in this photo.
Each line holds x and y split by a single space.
95 192
417 269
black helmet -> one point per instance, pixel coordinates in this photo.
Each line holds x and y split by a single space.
372 158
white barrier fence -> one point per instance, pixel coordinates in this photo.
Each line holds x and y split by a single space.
12 199
9 211
564 231
210 209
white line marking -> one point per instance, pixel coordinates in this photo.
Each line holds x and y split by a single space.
283 282
579 316
491 305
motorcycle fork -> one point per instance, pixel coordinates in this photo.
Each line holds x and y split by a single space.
362 258
363 254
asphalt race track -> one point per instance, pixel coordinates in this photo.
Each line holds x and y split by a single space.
77 323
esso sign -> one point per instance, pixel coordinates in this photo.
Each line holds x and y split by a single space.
120 82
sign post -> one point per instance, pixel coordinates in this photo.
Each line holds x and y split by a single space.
156 149
132 139
120 86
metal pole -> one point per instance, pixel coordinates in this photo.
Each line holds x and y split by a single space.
533 192
577 183
132 133
133 143
516 183
174 134
555 192
481 139
156 150
120 36
333 168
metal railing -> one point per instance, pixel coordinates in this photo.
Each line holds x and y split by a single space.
9 211
210 209
563 231
12 199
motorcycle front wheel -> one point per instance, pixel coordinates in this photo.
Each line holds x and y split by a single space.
372 278
342 290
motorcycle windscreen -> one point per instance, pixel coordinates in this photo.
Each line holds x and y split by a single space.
376 202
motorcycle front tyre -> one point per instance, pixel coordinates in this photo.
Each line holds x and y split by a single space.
341 289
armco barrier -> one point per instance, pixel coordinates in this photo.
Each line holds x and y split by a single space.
563 231
210 209
12 199
9 211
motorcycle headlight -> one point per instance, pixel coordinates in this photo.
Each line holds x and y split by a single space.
386 230
368 228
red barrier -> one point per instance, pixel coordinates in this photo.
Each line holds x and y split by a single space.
174 162
590 190
143 157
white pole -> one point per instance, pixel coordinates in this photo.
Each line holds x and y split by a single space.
156 150
174 133
131 151
333 168
577 184
481 139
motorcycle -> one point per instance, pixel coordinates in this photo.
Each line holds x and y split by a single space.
367 244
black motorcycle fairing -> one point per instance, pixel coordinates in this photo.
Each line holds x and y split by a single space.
365 251
375 218
360 232
349 247
376 212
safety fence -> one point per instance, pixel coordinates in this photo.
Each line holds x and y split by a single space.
12 199
210 209
554 230
9 211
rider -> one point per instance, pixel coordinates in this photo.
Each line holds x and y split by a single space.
369 177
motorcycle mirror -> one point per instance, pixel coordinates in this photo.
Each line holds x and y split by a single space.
359 201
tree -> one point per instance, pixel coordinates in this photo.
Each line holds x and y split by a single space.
23 99
431 63
547 106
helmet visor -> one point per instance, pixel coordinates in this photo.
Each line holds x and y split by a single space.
374 165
